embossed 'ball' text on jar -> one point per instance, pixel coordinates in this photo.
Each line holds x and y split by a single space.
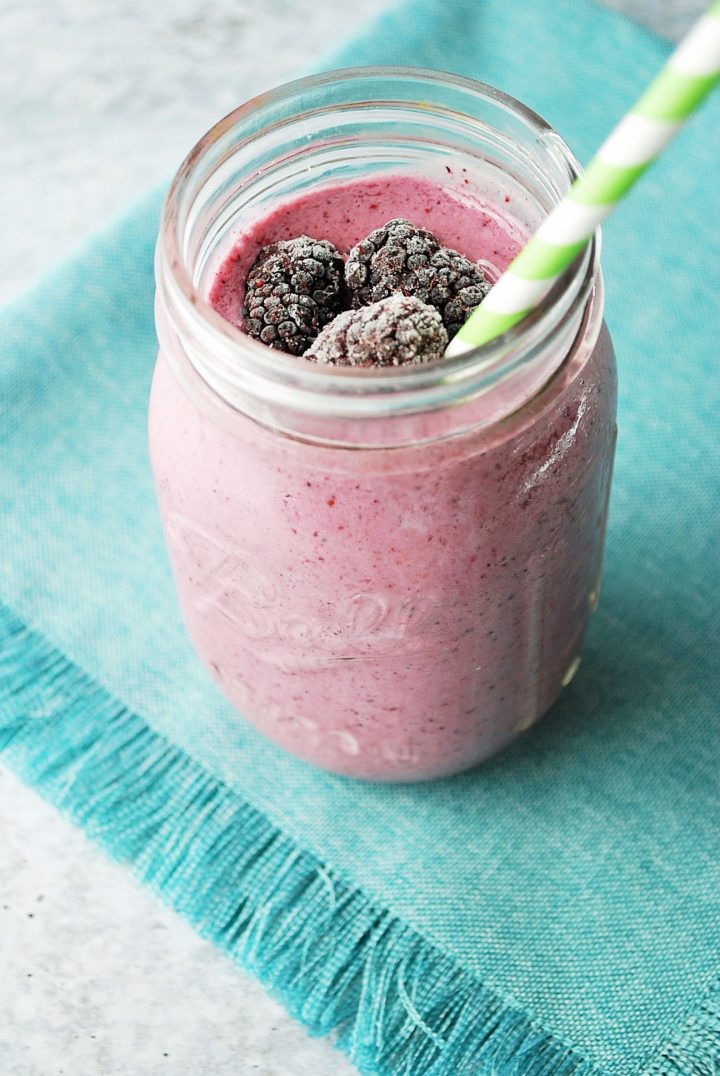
388 571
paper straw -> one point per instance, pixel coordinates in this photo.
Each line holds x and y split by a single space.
684 82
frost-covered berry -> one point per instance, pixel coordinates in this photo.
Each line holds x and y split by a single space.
400 258
293 289
394 331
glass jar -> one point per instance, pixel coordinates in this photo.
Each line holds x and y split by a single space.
388 571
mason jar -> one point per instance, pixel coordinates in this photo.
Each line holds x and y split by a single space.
387 571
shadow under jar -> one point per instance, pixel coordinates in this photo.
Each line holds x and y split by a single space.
388 571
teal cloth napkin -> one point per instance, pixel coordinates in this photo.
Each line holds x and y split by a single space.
555 911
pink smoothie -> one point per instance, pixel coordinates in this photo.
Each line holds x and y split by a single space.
388 613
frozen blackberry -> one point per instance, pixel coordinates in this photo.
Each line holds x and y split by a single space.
391 259
455 288
394 331
402 258
293 289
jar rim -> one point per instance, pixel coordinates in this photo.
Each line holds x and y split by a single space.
353 382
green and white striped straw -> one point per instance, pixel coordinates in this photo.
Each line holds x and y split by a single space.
686 79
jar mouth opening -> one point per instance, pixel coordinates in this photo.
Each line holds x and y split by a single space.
496 357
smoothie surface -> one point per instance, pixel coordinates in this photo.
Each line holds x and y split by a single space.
345 213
